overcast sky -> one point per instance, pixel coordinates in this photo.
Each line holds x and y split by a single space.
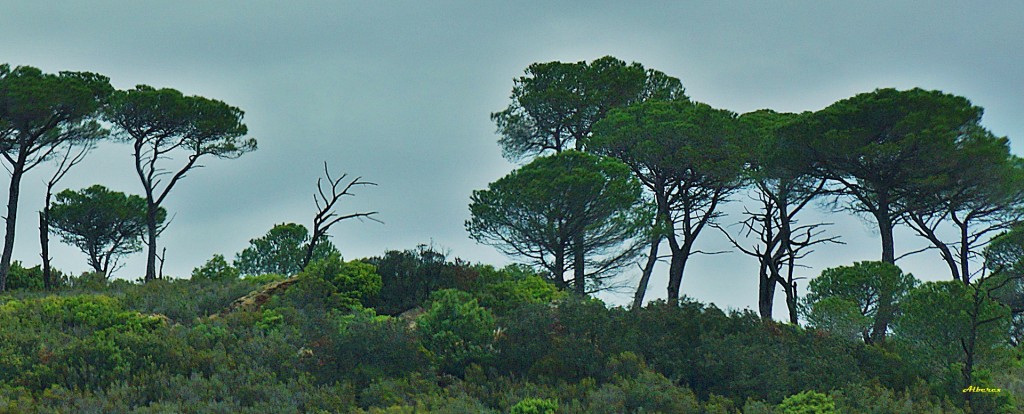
400 93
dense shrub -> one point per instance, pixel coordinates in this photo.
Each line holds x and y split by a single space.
497 339
360 346
215 269
408 277
513 286
807 402
19 277
535 406
456 331
184 300
349 283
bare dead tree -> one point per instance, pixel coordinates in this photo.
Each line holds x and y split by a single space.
329 191
781 241
161 258
66 162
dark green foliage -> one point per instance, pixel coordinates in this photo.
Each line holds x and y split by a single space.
164 124
862 299
103 224
90 281
184 300
20 277
936 343
1004 257
349 284
511 287
872 398
556 104
456 331
281 251
688 155
361 347
807 402
216 269
409 276
535 406
567 211
886 147
151 348
38 113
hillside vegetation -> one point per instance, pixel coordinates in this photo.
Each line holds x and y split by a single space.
415 332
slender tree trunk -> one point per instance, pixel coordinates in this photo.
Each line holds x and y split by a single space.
105 268
790 288
311 246
965 251
766 291
44 244
645 277
675 267
791 298
559 269
921 227
11 219
151 229
970 346
163 257
579 268
885 226
44 238
675 271
888 248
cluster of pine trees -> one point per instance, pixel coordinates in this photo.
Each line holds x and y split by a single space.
619 164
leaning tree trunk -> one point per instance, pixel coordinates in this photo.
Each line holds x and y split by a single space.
791 303
677 266
12 216
645 277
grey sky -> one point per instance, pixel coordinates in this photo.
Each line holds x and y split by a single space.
400 92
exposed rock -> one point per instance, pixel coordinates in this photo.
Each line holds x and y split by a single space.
410 316
255 299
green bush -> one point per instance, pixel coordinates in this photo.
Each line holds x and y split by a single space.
456 331
215 269
408 278
20 277
535 406
185 300
753 406
807 402
90 281
874 398
511 287
359 346
82 341
352 282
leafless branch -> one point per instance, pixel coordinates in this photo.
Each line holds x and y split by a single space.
329 191
910 253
